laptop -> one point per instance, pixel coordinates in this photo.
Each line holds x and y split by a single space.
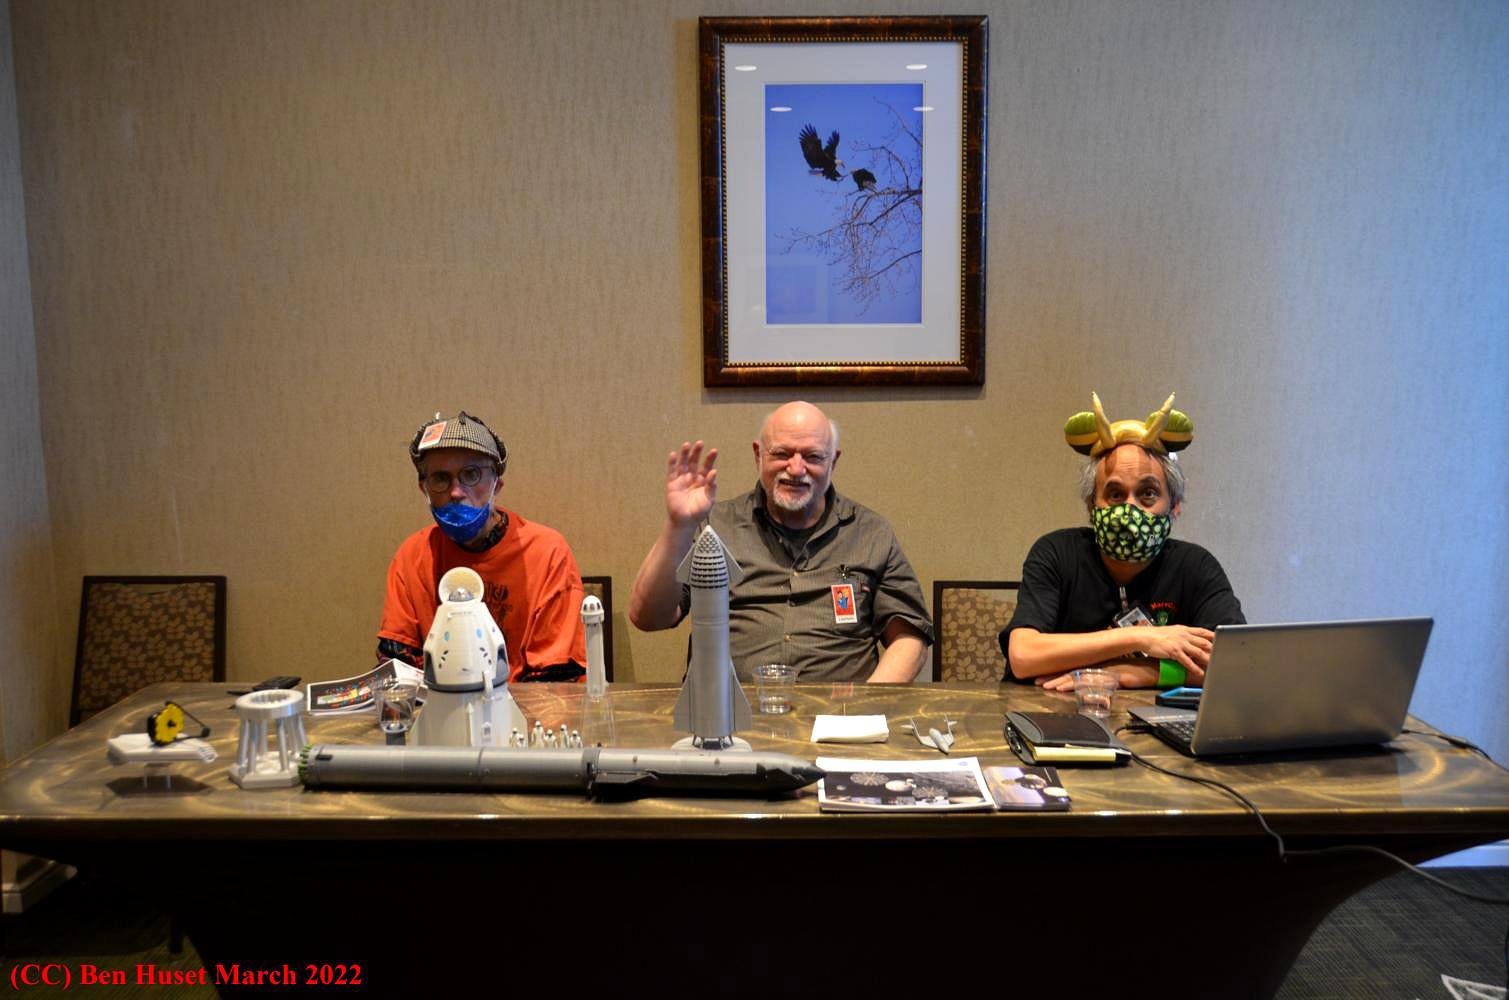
1298 687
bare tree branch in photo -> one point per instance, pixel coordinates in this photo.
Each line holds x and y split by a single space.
876 233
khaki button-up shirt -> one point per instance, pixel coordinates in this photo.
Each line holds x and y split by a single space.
783 610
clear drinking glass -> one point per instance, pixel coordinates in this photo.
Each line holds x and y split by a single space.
395 706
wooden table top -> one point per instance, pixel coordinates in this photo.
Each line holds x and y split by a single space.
67 791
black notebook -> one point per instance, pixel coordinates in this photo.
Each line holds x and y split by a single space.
1061 738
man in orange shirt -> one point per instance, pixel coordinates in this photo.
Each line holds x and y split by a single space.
533 588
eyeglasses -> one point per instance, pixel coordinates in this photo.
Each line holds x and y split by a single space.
469 476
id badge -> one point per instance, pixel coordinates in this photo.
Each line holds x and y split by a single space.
844 610
1136 616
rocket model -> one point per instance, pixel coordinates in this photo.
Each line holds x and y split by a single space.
601 771
712 706
592 621
466 671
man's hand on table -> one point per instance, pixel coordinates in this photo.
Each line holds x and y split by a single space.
1129 674
1185 645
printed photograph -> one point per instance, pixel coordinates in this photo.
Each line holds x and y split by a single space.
843 203
925 788
1026 788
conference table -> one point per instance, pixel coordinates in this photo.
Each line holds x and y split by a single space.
1147 882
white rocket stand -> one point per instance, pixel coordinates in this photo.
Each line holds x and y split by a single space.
451 719
256 766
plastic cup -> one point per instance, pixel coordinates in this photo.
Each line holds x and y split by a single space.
773 683
395 706
1094 690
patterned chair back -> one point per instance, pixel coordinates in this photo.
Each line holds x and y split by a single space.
968 616
138 630
601 587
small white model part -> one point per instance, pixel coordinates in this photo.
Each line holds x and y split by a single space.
597 670
266 714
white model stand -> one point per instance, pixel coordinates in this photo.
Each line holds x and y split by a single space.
261 712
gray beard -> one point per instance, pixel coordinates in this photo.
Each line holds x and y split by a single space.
790 504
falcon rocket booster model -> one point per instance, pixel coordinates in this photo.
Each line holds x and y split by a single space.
602 771
712 706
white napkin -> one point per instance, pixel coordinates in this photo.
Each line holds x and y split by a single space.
850 729
138 748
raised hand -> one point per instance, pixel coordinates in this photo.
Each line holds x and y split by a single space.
691 483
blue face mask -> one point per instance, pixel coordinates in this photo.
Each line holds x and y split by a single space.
461 522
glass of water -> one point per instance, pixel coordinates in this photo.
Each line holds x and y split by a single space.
1095 690
395 706
773 682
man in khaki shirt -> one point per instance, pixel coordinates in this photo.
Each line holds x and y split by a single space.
826 587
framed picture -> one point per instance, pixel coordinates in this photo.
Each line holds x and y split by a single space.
843 200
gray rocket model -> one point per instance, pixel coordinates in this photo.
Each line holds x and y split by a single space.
712 706
602 771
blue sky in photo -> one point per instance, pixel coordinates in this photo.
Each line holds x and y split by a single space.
795 199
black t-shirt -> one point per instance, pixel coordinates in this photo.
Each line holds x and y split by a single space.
1065 588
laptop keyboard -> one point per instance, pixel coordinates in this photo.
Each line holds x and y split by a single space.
1178 731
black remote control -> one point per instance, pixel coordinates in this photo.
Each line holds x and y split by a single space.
274 683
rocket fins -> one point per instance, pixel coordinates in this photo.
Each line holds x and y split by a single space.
735 574
740 704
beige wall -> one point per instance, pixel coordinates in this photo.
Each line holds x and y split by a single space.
268 239
31 680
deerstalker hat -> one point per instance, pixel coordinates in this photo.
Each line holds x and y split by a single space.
461 431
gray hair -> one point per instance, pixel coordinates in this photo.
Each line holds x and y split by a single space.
1173 475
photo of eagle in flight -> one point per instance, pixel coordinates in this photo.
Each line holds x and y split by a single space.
822 159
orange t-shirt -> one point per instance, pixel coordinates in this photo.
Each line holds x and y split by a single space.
534 592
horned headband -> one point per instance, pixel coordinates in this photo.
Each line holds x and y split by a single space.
1165 430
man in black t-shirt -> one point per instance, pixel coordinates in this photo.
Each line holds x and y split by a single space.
1078 584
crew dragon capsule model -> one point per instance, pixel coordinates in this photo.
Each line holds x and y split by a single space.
466 671
712 706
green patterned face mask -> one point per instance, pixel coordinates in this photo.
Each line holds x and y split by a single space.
1127 533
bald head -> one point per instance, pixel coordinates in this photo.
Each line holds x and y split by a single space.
798 416
795 455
